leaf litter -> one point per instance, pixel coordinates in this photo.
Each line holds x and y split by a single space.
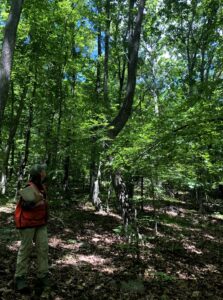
88 259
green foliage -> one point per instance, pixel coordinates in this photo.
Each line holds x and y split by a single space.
161 276
173 138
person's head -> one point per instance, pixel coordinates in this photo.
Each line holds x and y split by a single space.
38 172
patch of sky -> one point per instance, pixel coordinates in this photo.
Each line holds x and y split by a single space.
140 80
214 44
27 40
92 6
2 23
79 77
86 23
76 49
94 53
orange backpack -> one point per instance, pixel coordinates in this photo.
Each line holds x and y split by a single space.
34 217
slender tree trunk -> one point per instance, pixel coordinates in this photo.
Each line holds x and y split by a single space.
154 205
122 196
98 76
95 168
24 158
52 157
60 97
109 193
12 133
8 52
66 175
96 201
121 72
107 35
12 161
142 193
95 176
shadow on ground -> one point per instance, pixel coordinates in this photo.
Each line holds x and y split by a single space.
89 261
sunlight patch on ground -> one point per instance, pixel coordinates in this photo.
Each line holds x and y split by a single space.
148 272
183 275
14 246
55 242
175 226
110 214
7 209
209 237
210 268
148 208
217 215
95 260
103 239
67 260
159 234
191 248
109 269
194 229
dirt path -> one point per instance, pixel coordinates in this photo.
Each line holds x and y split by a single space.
89 261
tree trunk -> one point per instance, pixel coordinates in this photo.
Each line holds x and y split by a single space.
124 113
109 194
95 168
107 35
66 176
12 133
24 158
95 176
98 76
7 53
121 75
142 193
122 196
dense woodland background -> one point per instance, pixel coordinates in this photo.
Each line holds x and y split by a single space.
123 102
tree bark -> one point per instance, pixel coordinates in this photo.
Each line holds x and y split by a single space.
142 193
98 76
122 196
118 123
95 176
95 168
66 175
8 52
107 35
95 186
12 133
24 158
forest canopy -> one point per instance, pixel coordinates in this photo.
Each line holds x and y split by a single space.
86 101
120 102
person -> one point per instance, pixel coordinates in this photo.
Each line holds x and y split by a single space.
31 221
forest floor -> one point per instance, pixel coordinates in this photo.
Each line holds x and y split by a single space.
183 259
